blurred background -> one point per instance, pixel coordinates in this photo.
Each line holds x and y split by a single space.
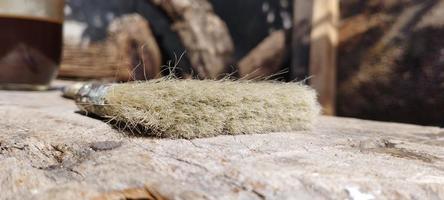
374 59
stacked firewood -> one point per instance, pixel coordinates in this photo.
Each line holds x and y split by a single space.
131 50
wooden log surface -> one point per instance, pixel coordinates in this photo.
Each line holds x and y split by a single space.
48 151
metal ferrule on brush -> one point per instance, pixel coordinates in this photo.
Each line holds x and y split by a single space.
90 97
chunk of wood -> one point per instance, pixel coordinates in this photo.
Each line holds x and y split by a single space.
135 44
401 55
94 61
266 59
129 53
204 35
45 153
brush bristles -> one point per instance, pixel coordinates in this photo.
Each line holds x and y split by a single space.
194 108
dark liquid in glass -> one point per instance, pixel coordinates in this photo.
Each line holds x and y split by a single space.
30 51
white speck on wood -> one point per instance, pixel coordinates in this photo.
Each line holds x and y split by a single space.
356 194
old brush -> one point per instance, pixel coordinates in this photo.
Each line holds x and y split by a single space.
172 108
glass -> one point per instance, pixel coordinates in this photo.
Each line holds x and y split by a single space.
31 43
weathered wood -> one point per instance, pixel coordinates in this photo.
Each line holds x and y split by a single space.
323 50
92 61
204 35
129 53
398 53
132 38
315 40
47 151
266 59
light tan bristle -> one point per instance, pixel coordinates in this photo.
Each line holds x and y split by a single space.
203 108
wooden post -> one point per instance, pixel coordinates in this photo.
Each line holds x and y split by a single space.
324 42
316 57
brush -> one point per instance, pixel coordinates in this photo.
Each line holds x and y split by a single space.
171 108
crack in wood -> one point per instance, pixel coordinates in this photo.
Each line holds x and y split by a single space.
225 177
234 183
105 145
385 146
145 193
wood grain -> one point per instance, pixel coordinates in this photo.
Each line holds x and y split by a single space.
45 153
323 52
315 40
130 52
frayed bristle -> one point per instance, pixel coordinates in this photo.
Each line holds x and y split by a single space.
171 108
